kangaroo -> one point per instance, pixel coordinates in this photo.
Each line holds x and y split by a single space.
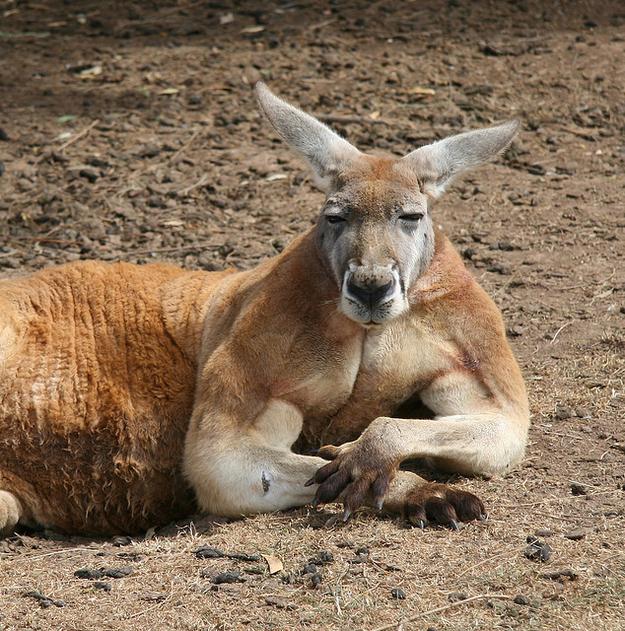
132 395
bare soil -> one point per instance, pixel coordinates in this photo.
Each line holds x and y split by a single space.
130 132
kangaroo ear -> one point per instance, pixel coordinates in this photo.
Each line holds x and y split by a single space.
437 164
325 151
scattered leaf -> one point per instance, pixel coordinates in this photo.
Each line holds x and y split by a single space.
248 30
274 563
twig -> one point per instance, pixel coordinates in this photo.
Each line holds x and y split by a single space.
439 609
553 339
185 146
188 189
476 565
79 135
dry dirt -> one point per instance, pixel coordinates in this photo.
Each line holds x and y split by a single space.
130 132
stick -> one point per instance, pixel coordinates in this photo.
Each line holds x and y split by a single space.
188 189
439 609
79 135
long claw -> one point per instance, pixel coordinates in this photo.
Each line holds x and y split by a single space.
454 524
310 482
417 523
379 503
484 517
346 514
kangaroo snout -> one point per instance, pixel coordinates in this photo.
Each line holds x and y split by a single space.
370 292
370 285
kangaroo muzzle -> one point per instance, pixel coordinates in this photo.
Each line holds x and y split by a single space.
371 293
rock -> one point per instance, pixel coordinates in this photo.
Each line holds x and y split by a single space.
322 558
563 412
469 253
104 587
1 168
309 568
537 550
3 135
315 580
578 489
398 593
88 573
561 575
89 174
279 603
515 330
521 600
543 532
149 150
536 169
119 542
232 576
206 552
455 597
118 572
577 534
44 601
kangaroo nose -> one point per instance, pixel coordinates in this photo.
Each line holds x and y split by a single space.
370 293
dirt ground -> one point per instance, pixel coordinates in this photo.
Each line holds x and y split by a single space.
129 131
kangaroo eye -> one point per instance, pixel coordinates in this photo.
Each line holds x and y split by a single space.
411 217
335 219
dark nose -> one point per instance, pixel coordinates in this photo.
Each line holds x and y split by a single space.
369 293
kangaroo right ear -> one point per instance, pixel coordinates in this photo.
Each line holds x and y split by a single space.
325 151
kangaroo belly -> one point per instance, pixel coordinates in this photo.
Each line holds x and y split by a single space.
95 398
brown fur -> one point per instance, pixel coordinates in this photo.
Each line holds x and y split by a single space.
125 390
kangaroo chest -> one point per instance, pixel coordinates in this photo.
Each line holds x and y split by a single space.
387 367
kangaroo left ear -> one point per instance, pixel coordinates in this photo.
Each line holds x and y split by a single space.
437 164
325 151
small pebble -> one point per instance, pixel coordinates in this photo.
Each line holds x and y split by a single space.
105 587
576 534
578 489
521 600
537 550
233 576
117 572
563 412
543 532
561 575
316 579
88 573
455 597
206 552
89 174
398 593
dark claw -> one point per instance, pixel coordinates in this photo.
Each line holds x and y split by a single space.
418 523
346 514
310 482
483 517
379 503
454 525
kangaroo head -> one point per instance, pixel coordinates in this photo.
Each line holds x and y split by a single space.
375 231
